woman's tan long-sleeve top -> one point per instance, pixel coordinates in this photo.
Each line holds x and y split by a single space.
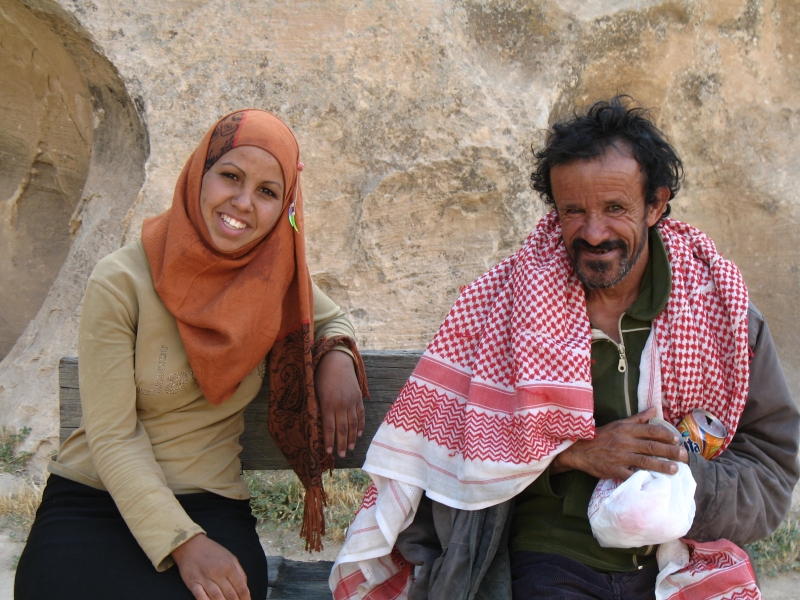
148 432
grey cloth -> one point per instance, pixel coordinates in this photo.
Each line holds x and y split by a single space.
742 495
460 554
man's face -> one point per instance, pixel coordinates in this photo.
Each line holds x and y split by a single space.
604 217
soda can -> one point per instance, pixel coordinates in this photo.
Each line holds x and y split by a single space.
702 433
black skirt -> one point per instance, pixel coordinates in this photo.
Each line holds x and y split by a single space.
80 548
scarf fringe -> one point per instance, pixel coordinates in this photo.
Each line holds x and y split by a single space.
315 501
313 527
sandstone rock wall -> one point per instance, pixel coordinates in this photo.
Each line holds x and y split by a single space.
415 120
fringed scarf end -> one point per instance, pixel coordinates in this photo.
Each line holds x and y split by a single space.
314 518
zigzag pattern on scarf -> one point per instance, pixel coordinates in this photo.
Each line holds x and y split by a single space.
708 560
370 498
745 594
516 439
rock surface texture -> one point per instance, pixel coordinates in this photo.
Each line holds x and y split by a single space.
415 120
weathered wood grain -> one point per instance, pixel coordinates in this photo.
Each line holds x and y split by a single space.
68 372
297 580
386 371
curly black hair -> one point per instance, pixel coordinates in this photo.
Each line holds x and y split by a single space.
621 123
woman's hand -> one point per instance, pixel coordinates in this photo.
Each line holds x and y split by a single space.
210 571
340 401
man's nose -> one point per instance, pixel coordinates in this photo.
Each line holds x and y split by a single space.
594 230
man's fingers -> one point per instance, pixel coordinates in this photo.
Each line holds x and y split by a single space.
622 473
662 434
649 463
642 417
655 448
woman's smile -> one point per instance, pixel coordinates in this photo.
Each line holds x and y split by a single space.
232 222
242 197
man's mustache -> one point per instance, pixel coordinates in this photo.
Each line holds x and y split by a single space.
581 244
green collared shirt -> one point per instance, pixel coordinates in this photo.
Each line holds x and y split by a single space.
551 514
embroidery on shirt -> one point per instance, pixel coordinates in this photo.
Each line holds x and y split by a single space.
162 363
177 382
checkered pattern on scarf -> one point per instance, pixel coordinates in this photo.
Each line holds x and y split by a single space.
702 332
524 324
526 320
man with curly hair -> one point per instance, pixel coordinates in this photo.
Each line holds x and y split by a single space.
542 380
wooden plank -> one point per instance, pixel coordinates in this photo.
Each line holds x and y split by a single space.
70 410
300 580
64 433
68 372
274 564
259 451
387 372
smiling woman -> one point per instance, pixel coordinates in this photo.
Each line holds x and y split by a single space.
242 197
177 332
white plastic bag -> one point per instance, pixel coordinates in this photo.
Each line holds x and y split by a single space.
647 508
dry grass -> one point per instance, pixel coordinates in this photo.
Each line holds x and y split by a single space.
11 460
277 502
18 509
276 498
780 552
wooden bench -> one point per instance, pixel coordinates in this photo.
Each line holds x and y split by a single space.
288 579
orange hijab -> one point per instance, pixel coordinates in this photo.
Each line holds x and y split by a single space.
231 306
235 308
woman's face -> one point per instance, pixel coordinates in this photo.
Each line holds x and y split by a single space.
241 197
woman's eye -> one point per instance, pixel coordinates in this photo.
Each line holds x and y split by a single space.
231 176
268 192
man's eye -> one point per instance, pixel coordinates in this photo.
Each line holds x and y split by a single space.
615 208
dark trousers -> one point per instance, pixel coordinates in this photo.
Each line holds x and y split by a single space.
540 575
80 548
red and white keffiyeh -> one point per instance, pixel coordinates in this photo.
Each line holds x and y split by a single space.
505 386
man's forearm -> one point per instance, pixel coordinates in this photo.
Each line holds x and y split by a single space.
743 494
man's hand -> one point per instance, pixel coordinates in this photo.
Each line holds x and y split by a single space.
210 571
621 448
340 401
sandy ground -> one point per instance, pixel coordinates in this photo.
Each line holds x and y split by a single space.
784 587
9 553
289 544
284 543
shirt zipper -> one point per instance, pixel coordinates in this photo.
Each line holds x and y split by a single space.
622 366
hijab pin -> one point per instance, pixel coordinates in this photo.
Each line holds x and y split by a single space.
292 220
